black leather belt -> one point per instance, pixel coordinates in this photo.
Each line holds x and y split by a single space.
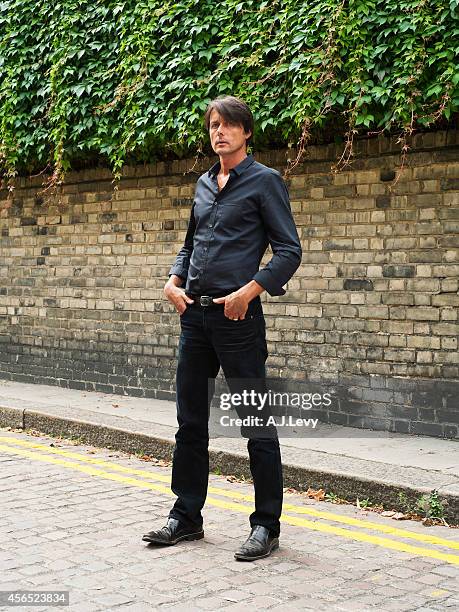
204 300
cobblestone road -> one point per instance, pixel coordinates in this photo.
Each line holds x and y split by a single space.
72 517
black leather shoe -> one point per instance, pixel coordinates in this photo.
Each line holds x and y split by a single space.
259 544
173 532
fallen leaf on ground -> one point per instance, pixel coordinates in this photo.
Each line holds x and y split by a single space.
399 516
318 495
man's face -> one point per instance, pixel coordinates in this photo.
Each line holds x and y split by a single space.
226 138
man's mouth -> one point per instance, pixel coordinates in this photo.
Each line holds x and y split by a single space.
222 142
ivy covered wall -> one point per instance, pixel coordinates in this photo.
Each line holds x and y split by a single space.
112 82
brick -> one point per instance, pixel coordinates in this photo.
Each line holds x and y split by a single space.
428 200
374 312
426 429
448 314
398 271
447 184
310 311
400 243
423 342
399 355
445 300
28 221
451 256
361 230
383 201
449 285
339 191
448 343
397 297
364 176
355 284
338 244
423 314
424 357
447 242
446 271
387 175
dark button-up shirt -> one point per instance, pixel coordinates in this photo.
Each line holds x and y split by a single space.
229 231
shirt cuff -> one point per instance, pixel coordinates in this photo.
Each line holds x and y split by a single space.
266 280
178 271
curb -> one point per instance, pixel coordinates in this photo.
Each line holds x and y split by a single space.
346 486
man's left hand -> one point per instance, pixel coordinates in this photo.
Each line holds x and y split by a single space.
236 305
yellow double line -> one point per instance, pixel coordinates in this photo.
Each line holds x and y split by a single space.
124 475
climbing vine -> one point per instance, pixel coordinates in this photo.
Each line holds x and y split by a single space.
128 81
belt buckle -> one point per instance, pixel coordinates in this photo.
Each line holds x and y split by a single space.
205 300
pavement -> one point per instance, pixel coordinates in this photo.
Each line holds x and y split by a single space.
350 463
72 517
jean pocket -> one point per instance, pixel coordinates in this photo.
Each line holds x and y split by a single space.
183 313
255 311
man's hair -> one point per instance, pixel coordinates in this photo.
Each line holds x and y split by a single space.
232 109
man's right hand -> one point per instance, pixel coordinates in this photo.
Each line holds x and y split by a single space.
176 295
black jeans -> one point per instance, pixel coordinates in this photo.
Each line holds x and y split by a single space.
209 340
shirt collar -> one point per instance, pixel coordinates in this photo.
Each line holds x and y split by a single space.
239 169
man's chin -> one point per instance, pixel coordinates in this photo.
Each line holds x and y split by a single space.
225 150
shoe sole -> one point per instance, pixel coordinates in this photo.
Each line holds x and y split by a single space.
189 538
274 546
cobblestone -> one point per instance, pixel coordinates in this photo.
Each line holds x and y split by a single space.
64 529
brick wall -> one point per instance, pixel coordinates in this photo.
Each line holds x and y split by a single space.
370 316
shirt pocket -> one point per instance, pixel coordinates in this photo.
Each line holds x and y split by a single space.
229 213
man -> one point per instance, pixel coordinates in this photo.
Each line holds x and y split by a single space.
240 206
